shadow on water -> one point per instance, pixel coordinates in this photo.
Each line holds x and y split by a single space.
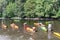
21 35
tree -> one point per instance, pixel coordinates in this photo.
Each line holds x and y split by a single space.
10 10
40 8
45 8
29 8
3 4
20 8
58 13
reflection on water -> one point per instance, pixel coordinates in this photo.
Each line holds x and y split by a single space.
7 35
21 35
4 37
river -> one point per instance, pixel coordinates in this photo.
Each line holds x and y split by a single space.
21 35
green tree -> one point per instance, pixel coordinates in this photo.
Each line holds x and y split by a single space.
3 4
29 8
58 13
39 8
46 8
10 10
20 9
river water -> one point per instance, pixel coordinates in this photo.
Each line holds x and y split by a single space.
22 35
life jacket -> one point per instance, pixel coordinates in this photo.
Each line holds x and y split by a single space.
42 28
25 26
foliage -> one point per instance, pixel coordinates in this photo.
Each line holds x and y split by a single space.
30 8
10 10
3 4
20 8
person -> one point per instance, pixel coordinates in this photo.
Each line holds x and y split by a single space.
49 31
40 26
14 26
4 26
27 28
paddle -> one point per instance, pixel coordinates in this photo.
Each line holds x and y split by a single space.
56 34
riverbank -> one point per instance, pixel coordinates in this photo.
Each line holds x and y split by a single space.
48 19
